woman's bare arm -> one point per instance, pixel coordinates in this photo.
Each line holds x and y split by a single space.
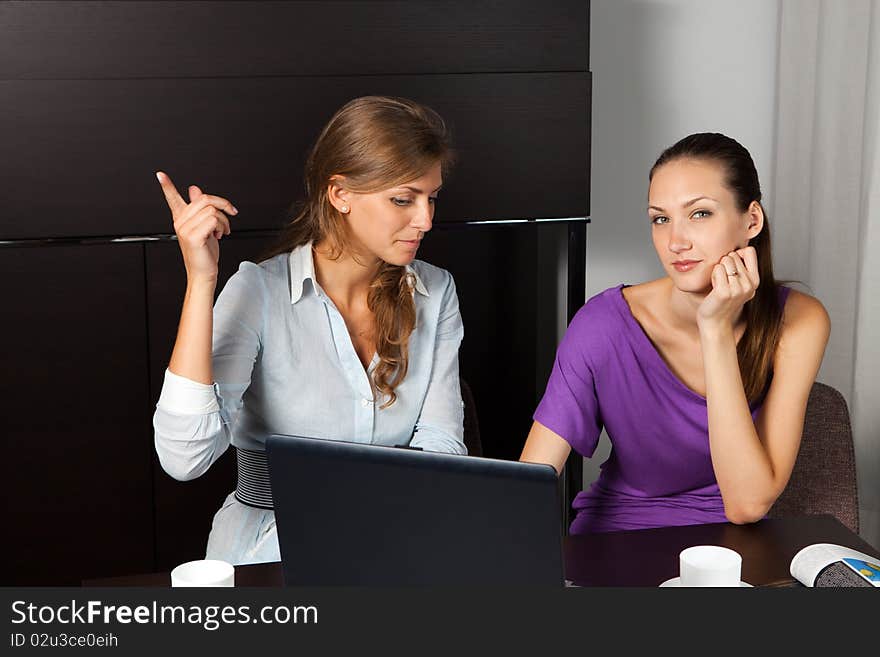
199 225
753 460
545 446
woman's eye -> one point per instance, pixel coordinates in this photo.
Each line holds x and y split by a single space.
701 214
659 219
400 201
432 199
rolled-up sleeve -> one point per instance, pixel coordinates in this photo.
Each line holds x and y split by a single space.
440 427
192 420
570 405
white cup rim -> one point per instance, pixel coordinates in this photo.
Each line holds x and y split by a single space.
204 572
719 555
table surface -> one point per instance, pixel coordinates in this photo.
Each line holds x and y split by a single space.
644 557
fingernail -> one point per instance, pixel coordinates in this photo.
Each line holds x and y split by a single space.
158 177
234 210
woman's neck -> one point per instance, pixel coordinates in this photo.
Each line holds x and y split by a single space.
682 308
346 279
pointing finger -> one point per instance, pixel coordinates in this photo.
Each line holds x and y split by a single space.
172 197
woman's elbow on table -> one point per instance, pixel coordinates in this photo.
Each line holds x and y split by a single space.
744 514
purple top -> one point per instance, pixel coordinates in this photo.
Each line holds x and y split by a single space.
608 373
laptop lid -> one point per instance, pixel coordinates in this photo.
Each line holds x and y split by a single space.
355 514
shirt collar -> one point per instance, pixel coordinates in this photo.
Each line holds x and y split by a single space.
302 268
420 287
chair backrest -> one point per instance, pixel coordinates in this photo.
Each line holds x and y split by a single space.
471 423
824 476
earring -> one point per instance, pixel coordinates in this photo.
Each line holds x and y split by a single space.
344 209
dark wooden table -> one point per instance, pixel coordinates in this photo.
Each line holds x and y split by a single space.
645 557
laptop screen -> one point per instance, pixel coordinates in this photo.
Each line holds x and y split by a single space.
351 514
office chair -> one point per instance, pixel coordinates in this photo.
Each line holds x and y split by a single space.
824 475
471 424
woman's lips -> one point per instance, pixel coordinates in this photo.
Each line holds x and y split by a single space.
412 244
685 265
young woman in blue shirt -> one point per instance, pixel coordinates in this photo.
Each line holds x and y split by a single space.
340 334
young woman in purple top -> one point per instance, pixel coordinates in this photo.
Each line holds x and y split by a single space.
701 377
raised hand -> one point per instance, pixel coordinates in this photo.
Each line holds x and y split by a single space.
734 282
199 225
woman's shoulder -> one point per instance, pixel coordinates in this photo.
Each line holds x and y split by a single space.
605 300
434 278
277 266
274 267
602 314
256 277
803 315
606 305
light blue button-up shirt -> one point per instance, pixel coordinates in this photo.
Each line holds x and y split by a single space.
284 362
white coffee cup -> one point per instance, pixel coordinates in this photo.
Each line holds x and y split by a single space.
203 572
709 565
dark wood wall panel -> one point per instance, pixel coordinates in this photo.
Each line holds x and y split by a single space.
184 510
504 353
66 40
75 428
93 146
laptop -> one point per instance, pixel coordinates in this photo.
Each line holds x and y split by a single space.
350 514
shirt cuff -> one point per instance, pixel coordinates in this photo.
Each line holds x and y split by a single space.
187 397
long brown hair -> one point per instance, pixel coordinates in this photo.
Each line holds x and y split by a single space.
374 142
762 313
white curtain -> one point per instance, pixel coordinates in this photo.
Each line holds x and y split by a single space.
825 205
